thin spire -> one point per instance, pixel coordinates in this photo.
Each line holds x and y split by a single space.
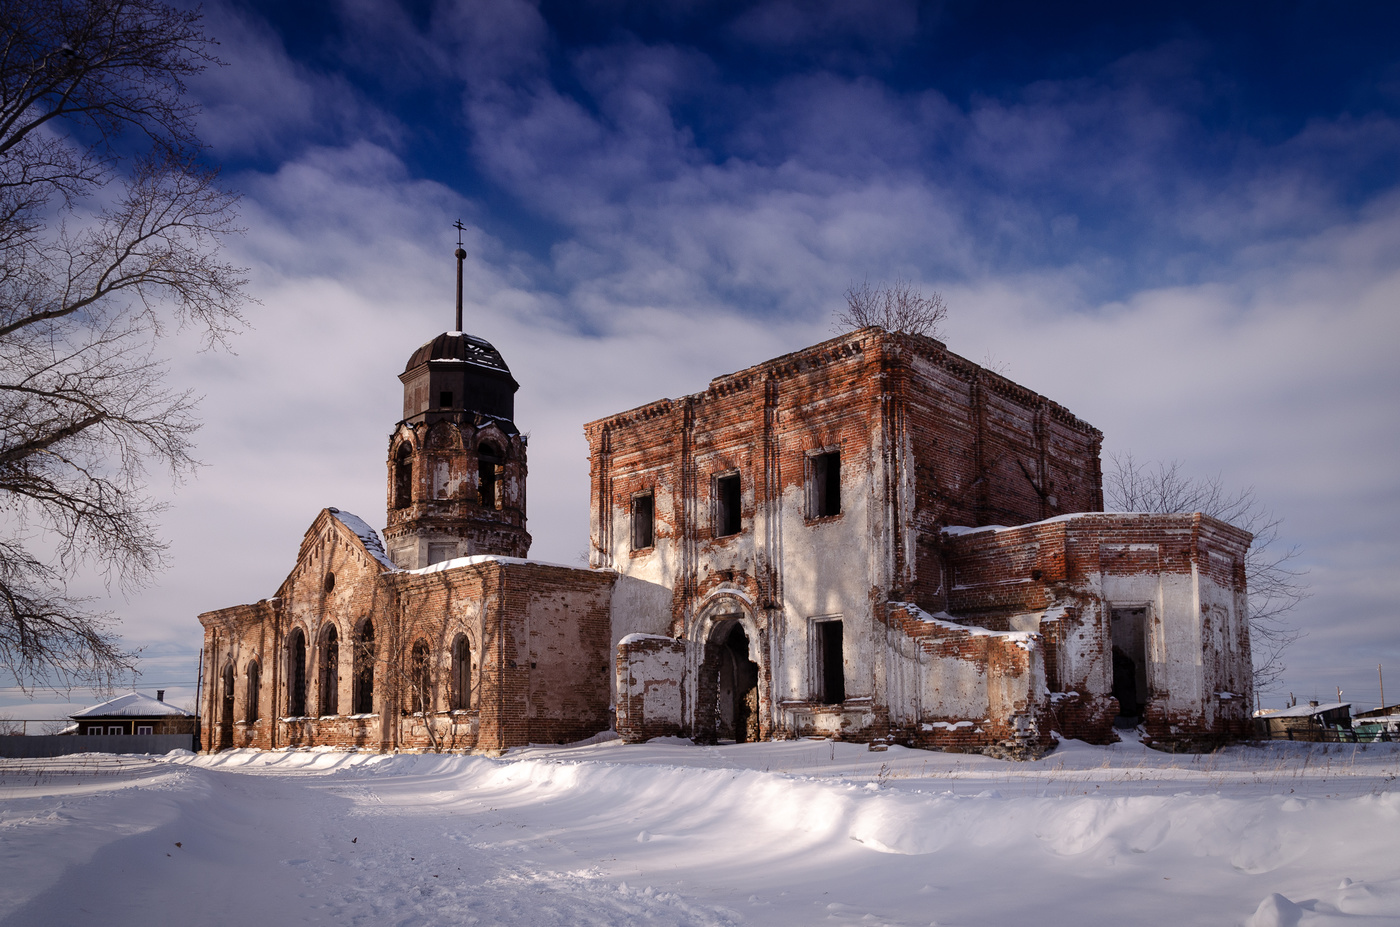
461 256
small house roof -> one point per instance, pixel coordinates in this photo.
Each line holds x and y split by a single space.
132 705
1300 711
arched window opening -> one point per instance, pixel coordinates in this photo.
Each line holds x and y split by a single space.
364 669
296 674
490 470
225 713
226 709
461 681
254 682
330 671
403 476
420 679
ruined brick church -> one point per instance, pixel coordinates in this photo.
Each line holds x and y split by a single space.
870 538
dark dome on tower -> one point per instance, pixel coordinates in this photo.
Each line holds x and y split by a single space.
459 376
458 346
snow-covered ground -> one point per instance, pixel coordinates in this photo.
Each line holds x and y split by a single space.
797 833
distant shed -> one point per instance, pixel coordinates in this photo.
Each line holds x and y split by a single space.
1378 724
1312 721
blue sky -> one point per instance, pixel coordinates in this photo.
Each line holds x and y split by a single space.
1183 224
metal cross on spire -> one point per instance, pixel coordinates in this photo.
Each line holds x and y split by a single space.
461 256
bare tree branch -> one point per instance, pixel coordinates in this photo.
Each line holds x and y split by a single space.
896 308
102 248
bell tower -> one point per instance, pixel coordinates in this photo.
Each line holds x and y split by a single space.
456 460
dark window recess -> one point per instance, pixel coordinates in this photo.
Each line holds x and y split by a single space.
445 399
330 672
296 674
831 668
420 679
489 471
254 683
403 477
826 484
461 673
727 505
364 669
226 716
643 521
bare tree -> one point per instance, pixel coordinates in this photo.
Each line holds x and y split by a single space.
110 230
1276 586
896 308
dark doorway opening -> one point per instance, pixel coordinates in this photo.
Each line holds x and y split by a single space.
736 696
831 664
1129 637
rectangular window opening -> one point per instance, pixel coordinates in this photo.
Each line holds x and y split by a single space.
115 729
643 521
824 488
727 520
831 666
445 399
143 729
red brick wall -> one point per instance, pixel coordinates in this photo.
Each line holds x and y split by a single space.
539 649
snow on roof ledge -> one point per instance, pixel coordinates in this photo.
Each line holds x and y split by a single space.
367 535
492 558
1023 639
638 637
1300 711
959 530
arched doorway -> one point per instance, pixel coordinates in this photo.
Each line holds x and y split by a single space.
728 705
